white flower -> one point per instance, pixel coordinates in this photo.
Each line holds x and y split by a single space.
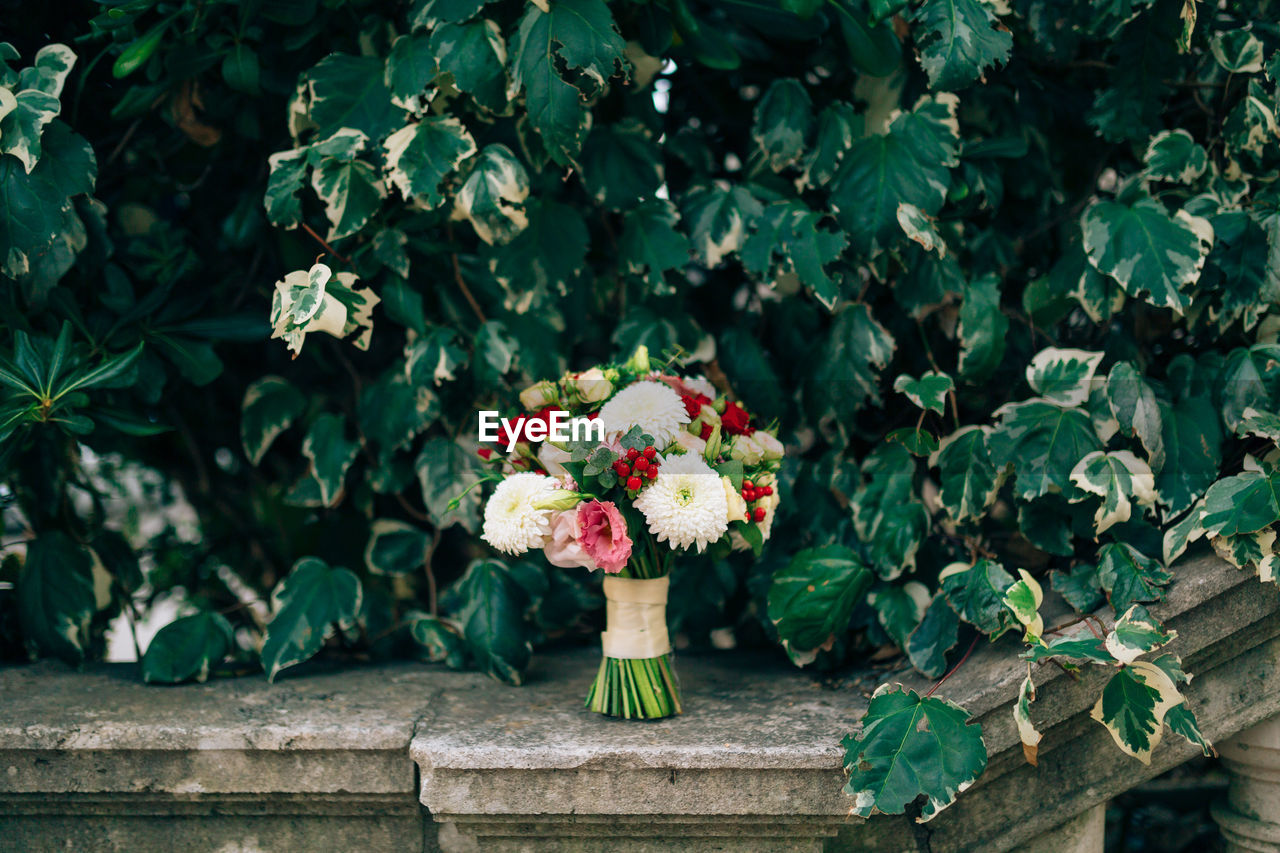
539 394
690 442
758 447
686 504
591 386
513 523
654 407
552 460
734 500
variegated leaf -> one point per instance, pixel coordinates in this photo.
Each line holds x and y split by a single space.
1114 476
1136 633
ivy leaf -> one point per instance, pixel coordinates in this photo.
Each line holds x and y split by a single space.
718 219
410 67
1115 477
48 71
581 37
1136 633
1088 648
969 479
351 191
1191 431
959 40
434 357
783 121
396 548
445 472
546 256
428 14
57 596
393 411
908 164
1174 155
977 593
330 455
351 92
936 635
1023 599
493 195
856 349
1063 376
1129 576
929 392
811 600
420 156
911 745
1027 732
475 55
270 406
1081 587
899 609
1152 255
1238 51
186 648
288 174
1252 125
1134 406
790 232
921 229
838 125
1245 503
1133 706
1043 443
1236 270
491 606
983 329
439 641
23 124
308 604
1247 380
873 48
650 245
621 164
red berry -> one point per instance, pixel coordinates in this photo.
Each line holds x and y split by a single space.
758 514
767 490
747 484
620 468
650 452
633 484
651 473
640 464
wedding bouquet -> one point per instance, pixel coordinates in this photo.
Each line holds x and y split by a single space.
617 468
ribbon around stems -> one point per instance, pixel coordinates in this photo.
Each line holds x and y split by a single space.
636 616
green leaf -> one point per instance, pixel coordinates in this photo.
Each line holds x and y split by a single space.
1236 270
838 125
49 70
410 67
810 601
1133 706
270 407
475 55
351 191
23 124
434 358
977 593
108 369
908 164
57 597
718 219
1152 255
929 392
1133 404
983 329
393 411
1088 648
1115 477
899 608
1063 376
788 238
621 164
1174 155
1023 599
1252 125
420 156
1191 431
492 196
547 256
1245 503
288 174
936 635
1182 722
783 121
396 548
187 647
351 92
1080 587
958 41
918 442
1238 51
650 245
1027 732
1136 633
330 455
427 14
1129 576
873 48
581 37
139 50
445 472
969 479
1043 443
438 639
911 745
491 610
240 69
307 604
848 374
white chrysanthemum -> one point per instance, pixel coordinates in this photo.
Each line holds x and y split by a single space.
685 505
654 407
512 522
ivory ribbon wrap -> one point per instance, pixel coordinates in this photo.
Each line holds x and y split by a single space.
636 616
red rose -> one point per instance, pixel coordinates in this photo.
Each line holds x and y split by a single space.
735 420
693 404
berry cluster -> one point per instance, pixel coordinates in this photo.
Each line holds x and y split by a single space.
637 466
752 493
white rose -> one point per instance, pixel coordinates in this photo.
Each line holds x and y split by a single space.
737 506
552 459
746 449
538 395
592 386
690 443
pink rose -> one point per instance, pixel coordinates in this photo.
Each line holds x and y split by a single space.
563 549
602 533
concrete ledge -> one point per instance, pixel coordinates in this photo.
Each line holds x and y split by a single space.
344 760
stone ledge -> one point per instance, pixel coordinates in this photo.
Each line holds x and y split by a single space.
325 759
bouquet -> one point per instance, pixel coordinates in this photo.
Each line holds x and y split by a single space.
618 468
